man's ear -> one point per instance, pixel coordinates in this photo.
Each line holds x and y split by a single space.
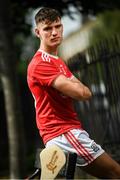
37 32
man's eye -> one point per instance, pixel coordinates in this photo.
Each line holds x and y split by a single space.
47 29
58 26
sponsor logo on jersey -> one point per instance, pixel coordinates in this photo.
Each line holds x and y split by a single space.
62 69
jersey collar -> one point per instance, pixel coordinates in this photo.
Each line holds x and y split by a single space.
40 50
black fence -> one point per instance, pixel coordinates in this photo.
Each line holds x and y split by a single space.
99 68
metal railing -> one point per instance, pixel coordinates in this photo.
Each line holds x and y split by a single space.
99 68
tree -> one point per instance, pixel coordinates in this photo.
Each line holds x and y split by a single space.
8 77
107 25
20 8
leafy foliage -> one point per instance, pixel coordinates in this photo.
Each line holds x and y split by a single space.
20 8
107 26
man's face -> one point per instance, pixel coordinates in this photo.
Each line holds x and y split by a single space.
50 33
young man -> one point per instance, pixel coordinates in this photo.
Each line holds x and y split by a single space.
54 87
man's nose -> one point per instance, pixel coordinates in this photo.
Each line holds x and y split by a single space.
54 32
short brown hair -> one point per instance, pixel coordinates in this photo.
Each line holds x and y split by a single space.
47 14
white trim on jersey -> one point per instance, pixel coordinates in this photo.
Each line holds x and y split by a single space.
43 52
34 100
45 57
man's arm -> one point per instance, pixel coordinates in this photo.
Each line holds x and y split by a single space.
73 88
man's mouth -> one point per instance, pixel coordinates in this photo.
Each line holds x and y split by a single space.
55 39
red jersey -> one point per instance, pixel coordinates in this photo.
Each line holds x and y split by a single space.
54 111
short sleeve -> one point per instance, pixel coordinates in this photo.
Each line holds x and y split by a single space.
46 72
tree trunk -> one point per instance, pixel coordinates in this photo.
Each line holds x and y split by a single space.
8 76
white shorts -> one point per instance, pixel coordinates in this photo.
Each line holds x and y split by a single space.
78 141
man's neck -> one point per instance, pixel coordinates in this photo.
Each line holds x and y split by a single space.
52 51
